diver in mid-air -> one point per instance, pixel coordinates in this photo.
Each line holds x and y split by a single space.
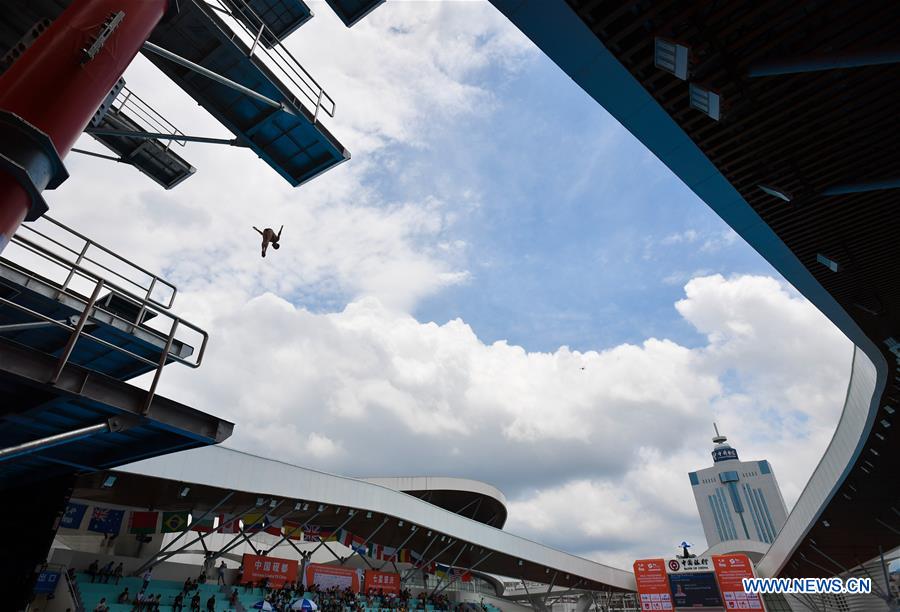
269 237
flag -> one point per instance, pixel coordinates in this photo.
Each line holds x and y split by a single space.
463 575
292 530
254 522
229 525
207 525
174 521
73 516
312 533
273 527
143 522
403 556
354 542
375 551
106 520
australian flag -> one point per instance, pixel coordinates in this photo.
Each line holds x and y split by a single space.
106 520
73 516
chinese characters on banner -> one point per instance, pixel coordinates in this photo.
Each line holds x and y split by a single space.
388 582
278 571
327 576
652 584
730 569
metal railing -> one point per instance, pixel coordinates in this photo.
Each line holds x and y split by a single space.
145 116
250 29
96 306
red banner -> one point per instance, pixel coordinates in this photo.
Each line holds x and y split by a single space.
652 584
278 571
730 570
327 576
389 582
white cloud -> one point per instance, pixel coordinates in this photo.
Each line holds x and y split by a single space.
602 452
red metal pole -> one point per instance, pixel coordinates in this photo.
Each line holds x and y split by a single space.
55 88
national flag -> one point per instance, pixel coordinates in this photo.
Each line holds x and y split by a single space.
292 530
254 522
375 551
72 517
312 533
143 522
206 525
106 520
462 574
273 527
404 556
174 521
229 525
354 542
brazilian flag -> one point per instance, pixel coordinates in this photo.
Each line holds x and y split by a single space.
174 521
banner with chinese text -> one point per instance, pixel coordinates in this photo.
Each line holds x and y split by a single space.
389 582
327 576
730 570
652 584
278 571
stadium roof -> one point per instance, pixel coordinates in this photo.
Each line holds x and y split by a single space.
782 118
214 474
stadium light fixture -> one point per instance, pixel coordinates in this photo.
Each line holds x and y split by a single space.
321 508
705 101
429 533
399 523
546 570
775 193
305 507
297 506
889 409
368 515
520 563
260 501
272 504
109 481
184 492
827 262
826 523
671 57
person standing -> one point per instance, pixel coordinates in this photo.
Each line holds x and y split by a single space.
222 568
148 575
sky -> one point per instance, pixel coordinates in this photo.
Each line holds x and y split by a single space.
501 284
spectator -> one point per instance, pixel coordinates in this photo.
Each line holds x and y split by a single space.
92 569
139 602
211 604
187 585
201 579
124 596
148 575
117 573
232 599
101 607
106 571
222 568
153 603
178 603
195 602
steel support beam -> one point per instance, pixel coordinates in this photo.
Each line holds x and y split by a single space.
233 142
34 446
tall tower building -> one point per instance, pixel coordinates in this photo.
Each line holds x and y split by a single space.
737 500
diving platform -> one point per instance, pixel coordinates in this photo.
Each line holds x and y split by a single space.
351 11
290 137
77 322
275 20
125 112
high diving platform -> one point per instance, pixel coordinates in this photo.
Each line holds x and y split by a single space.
217 37
351 11
77 322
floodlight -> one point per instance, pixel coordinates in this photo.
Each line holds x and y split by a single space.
297 506
828 263
184 492
368 515
873 451
889 409
272 504
399 523
705 101
885 423
671 57
520 563
321 508
305 507
826 523
775 193
260 501
429 533
109 482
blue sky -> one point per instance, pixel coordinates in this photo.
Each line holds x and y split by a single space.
582 237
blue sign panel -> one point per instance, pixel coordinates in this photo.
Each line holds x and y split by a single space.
724 454
46 582
695 590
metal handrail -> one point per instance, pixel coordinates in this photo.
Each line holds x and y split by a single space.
90 306
82 255
240 13
152 120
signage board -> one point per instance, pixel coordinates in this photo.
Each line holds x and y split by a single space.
652 584
327 576
730 570
389 582
695 590
690 565
46 582
278 571
724 454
